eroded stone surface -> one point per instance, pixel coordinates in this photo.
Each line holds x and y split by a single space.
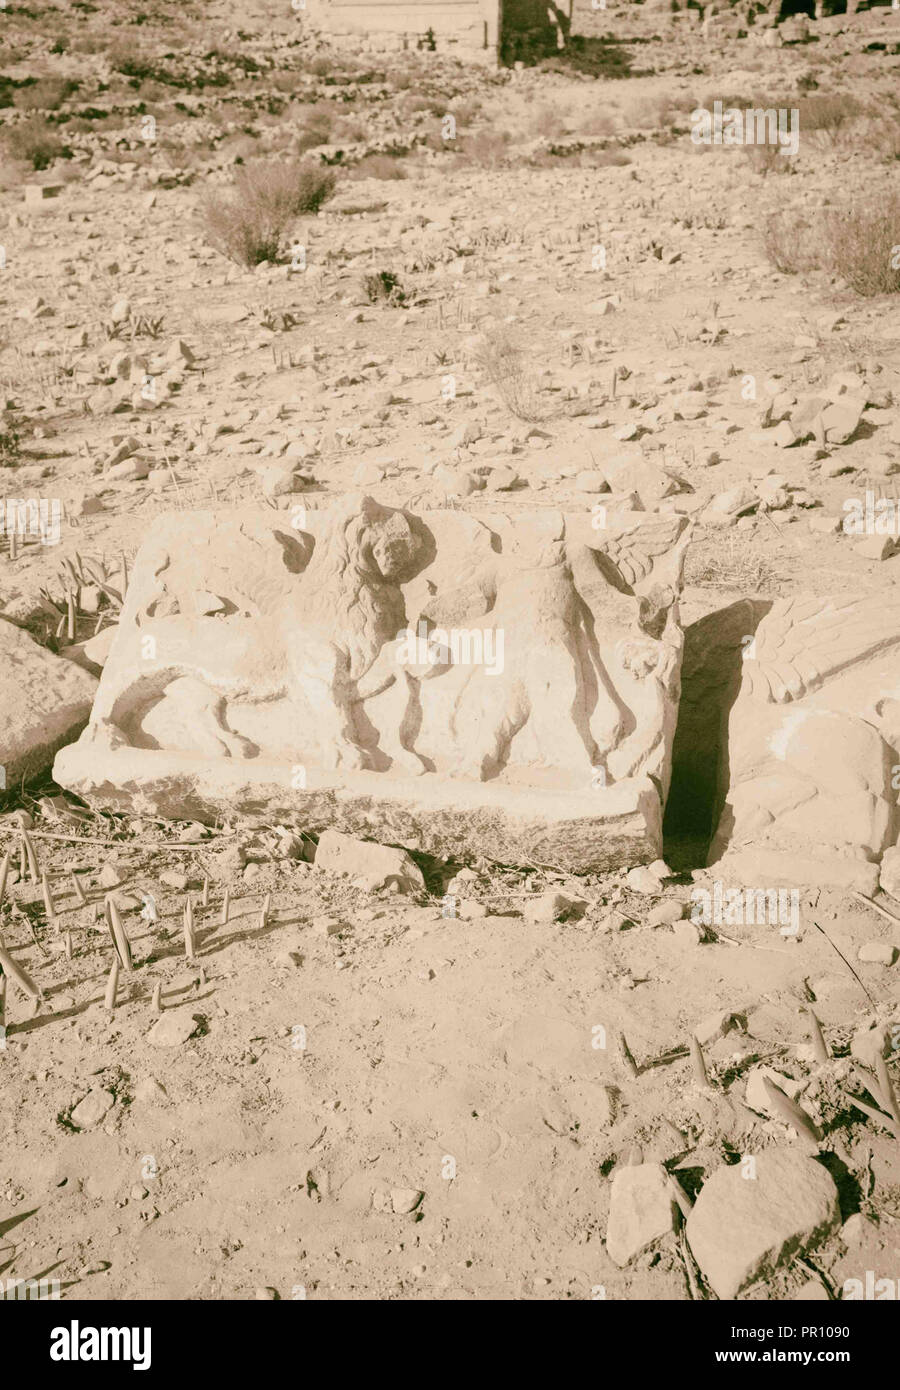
748 1221
458 683
44 702
641 1210
813 737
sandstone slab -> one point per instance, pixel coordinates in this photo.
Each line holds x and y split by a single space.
750 1219
458 683
641 1210
813 736
44 703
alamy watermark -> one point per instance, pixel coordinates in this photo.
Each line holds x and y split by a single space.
735 907
37 517
465 646
755 126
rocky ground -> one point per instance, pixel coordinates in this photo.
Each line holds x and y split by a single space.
356 1090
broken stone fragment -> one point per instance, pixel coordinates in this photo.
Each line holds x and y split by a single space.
641 1210
44 703
750 1219
377 865
172 1029
812 739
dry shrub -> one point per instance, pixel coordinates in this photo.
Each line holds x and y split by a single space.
36 142
829 116
862 245
47 94
379 166
547 123
504 366
792 243
315 129
383 287
249 223
768 159
489 148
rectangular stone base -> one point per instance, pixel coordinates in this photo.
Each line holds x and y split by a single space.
578 831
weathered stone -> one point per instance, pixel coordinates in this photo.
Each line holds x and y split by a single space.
641 1210
877 953
813 736
377 865
92 1108
459 683
748 1221
44 703
172 1029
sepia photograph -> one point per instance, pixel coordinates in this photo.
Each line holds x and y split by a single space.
450 665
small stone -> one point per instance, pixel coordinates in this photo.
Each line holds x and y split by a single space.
714 1026
688 933
665 912
869 1043
405 1200
642 880
856 1228
378 865
876 547
172 879
548 907
172 1029
92 1108
110 875
877 953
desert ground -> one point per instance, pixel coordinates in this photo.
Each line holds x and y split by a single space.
246 269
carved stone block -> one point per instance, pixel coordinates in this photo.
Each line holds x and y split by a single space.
814 741
459 683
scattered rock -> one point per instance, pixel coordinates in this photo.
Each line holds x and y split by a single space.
749 1220
641 1210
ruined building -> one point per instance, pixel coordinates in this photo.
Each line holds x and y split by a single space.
465 28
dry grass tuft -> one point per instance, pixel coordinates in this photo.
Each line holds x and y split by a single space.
248 225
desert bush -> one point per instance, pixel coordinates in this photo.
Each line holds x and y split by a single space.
504 366
598 123
792 243
10 442
47 94
862 245
829 116
379 166
767 159
35 142
383 287
248 224
547 123
315 129
489 148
